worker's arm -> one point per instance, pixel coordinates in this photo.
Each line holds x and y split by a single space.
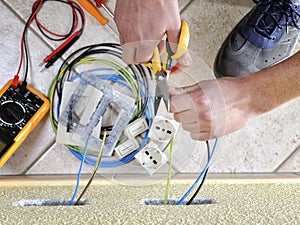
214 108
142 25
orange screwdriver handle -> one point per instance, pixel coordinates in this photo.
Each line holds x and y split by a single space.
91 9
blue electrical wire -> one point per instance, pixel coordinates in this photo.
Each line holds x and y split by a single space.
80 170
201 174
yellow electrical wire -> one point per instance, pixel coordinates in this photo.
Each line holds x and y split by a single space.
166 201
95 168
165 148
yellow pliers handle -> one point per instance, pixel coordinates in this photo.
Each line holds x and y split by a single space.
181 48
184 39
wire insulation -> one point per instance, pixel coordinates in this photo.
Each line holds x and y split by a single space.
166 201
203 179
95 169
68 38
201 174
80 170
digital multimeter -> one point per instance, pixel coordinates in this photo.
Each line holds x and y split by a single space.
21 108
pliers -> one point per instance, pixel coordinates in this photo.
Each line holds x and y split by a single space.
162 70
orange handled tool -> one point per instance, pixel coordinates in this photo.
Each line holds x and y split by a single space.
100 3
97 15
88 6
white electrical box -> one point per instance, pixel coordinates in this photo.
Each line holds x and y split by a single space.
93 96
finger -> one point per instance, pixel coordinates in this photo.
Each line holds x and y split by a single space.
122 39
183 90
173 38
174 91
196 127
128 54
181 103
186 117
162 46
204 136
144 51
173 35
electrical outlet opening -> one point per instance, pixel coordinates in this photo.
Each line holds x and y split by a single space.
160 201
49 202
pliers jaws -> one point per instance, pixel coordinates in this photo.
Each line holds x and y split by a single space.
162 91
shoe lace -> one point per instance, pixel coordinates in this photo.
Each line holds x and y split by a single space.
276 13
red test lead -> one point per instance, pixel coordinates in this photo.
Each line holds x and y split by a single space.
15 81
53 56
99 3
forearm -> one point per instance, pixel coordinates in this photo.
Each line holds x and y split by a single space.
274 86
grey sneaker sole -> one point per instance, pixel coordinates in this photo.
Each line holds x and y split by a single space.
237 56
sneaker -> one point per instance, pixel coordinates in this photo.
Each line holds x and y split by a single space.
266 36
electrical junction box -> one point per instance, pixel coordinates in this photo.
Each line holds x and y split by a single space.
20 111
82 112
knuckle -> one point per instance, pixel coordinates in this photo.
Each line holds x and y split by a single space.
205 115
203 101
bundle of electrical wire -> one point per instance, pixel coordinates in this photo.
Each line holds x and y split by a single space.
104 62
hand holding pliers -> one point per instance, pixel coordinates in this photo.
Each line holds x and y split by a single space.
161 70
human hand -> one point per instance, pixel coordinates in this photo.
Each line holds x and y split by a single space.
212 108
142 24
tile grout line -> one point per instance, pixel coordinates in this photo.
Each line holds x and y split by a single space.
46 149
287 158
11 9
186 6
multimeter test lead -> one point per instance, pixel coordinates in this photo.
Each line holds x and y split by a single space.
58 52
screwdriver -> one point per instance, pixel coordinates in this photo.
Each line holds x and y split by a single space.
100 3
91 9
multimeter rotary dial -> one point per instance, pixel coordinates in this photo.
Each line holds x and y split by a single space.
12 112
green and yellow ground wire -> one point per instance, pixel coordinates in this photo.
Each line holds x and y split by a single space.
170 144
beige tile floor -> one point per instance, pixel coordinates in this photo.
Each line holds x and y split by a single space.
269 144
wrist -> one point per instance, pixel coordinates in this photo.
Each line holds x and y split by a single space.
251 84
